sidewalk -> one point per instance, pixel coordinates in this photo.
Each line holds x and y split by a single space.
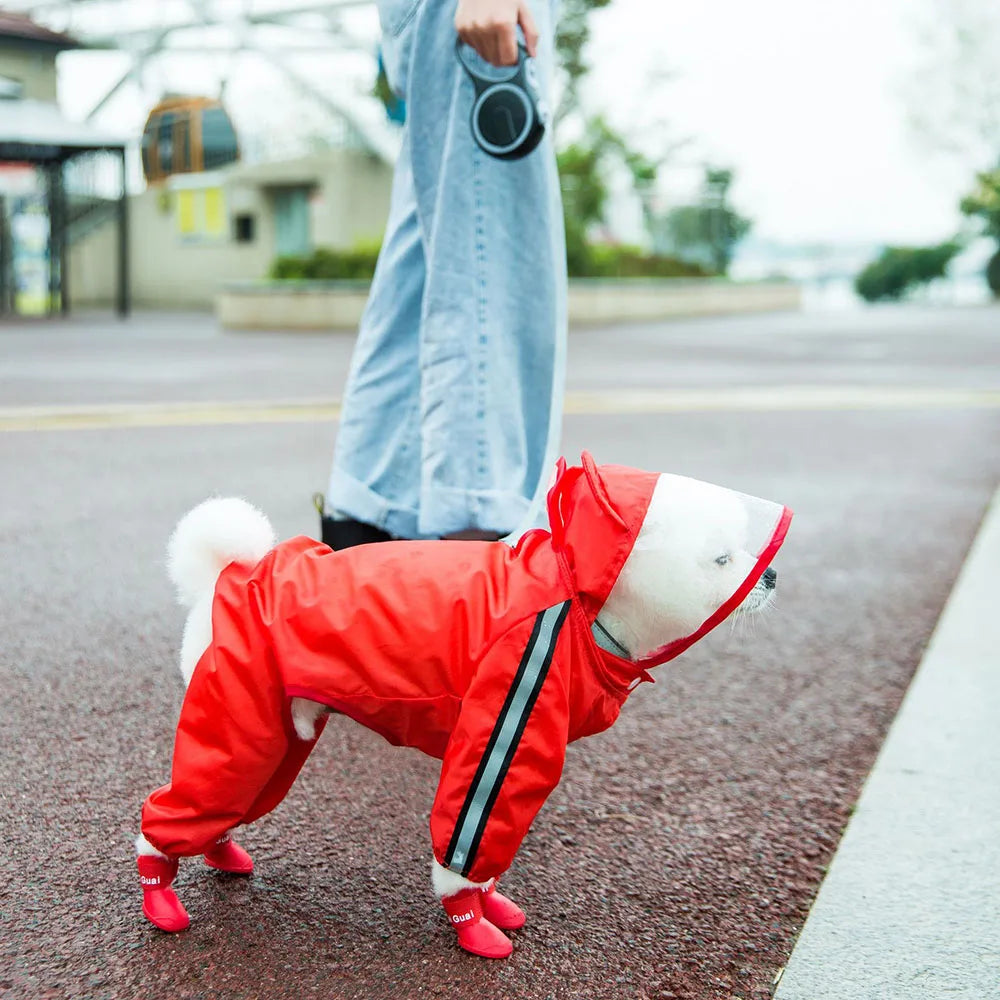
911 905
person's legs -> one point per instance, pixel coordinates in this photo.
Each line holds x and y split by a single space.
494 314
376 463
452 412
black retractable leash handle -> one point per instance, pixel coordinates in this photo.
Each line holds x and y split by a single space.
508 114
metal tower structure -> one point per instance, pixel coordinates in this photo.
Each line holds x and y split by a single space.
264 57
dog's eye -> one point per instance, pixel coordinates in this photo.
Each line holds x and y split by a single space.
723 560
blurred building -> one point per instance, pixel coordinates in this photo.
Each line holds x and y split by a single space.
28 58
36 144
194 231
200 220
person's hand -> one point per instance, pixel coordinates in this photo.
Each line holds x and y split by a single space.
489 26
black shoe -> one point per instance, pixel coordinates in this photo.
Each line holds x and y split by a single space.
472 535
342 533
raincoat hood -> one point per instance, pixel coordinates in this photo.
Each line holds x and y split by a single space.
657 560
595 515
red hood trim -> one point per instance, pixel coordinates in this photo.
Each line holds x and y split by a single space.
674 649
607 506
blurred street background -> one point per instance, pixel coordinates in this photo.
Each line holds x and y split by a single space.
851 150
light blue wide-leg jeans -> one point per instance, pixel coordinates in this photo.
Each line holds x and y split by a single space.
452 411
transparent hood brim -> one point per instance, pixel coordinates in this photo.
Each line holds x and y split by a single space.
764 559
700 553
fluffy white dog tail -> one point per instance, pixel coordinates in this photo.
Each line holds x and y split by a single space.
207 539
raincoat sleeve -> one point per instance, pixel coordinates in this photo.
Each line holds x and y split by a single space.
506 751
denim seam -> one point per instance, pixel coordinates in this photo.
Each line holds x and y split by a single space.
405 447
399 26
480 374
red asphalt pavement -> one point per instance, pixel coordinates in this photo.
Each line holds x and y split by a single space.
679 855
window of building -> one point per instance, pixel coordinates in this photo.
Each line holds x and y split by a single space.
218 138
200 211
243 228
165 139
11 89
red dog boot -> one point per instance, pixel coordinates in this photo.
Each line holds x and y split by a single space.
501 911
475 934
226 855
160 904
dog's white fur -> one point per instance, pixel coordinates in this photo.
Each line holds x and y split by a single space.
144 848
689 558
218 532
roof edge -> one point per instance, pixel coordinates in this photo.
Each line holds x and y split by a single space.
18 28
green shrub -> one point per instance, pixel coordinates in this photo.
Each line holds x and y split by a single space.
288 268
583 259
897 270
357 263
326 264
993 274
604 260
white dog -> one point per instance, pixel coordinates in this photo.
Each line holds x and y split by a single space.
456 648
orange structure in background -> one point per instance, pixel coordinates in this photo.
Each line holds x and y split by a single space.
186 135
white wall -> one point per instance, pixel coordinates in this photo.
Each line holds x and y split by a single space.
350 203
34 68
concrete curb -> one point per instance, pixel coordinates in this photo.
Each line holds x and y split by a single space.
911 905
335 305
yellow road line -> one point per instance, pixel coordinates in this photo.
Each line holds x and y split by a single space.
172 415
753 399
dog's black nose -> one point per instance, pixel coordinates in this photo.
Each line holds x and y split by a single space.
769 578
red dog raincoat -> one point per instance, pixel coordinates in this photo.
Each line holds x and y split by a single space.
483 656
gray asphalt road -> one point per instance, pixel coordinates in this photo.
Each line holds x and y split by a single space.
173 357
680 853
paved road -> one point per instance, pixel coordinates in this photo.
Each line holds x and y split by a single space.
680 854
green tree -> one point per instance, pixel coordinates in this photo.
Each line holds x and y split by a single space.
710 230
584 194
584 163
954 85
581 175
572 35
582 166
984 203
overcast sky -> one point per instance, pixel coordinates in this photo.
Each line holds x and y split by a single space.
805 99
